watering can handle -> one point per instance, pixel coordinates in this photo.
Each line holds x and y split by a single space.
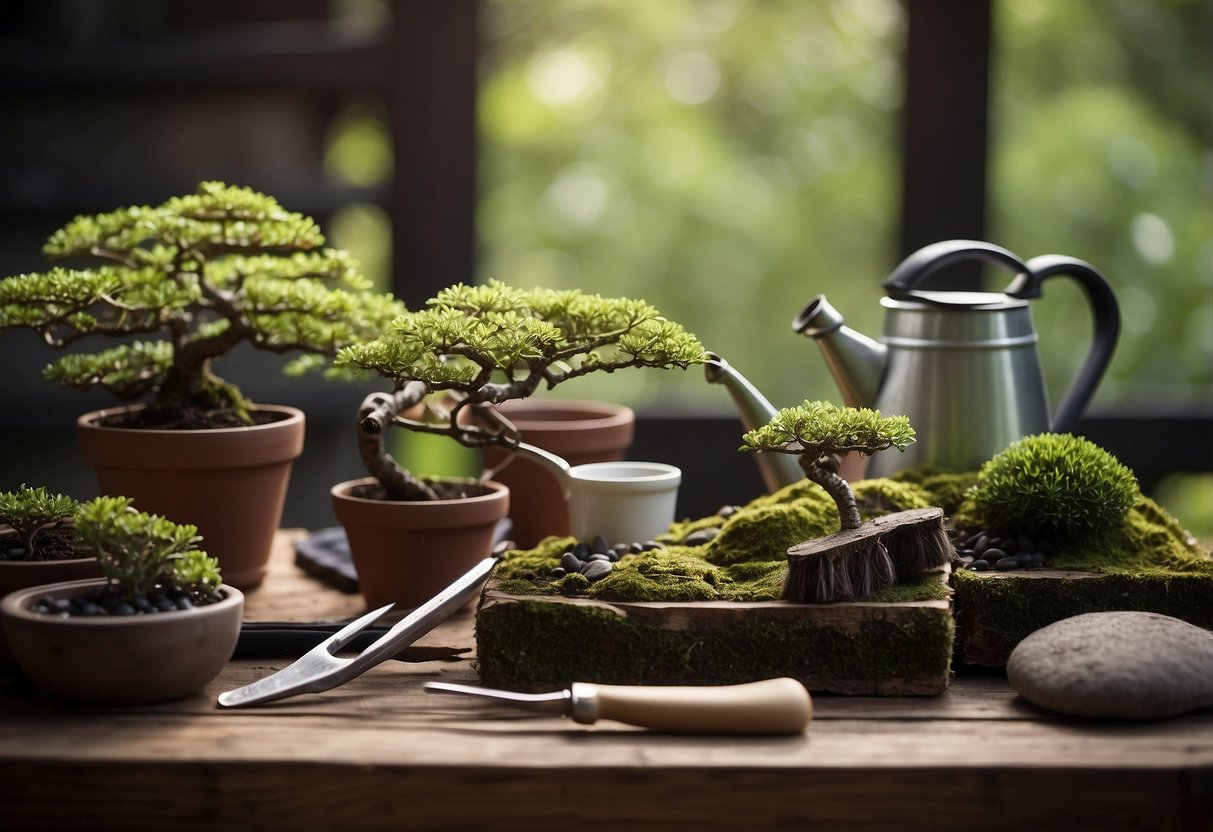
930 259
1105 314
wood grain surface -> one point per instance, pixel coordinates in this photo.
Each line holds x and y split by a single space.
379 753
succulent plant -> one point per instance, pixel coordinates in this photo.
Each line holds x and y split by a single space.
41 523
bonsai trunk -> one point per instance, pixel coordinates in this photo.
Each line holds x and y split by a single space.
377 412
824 472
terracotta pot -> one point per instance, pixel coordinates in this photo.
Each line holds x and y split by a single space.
406 552
121 660
229 482
20 574
579 431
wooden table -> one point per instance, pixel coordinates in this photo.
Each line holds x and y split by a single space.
380 754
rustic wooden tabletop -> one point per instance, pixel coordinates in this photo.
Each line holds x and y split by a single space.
378 753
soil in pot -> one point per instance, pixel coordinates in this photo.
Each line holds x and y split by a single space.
229 482
407 551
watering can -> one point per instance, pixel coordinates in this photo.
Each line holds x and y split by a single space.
963 366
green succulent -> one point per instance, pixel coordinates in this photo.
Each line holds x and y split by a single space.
42 523
200 274
138 552
1060 485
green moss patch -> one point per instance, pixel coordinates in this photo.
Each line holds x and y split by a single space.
539 644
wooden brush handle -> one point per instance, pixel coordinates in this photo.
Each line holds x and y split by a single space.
774 706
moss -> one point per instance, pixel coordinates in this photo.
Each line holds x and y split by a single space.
947 489
537 644
930 587
766 533
996 612
885 496
1145 540
672 574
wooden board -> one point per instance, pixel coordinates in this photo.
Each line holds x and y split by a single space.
857 647
379 753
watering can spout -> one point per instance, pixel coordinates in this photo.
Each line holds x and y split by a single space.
855 361
755 411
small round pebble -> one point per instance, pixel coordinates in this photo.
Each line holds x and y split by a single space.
571 562
558 572
980 565
699 538
1007 563
596 570
1117 665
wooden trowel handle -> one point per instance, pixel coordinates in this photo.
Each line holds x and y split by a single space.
774 706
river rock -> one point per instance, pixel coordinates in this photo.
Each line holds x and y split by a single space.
1120 665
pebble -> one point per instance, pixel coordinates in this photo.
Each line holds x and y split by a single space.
1118 665
598 546
980 565
558 572
596 570
727 511
699 538
1005 553
1007 563
598 556
650 545
582 550
571 562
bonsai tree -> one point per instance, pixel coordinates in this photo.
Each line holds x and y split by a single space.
202 273
475 346
1058 486
862 557
41 525
150 564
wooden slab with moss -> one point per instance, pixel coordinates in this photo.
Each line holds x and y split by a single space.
1147 562
713 613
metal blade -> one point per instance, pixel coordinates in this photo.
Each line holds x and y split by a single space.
307 674
554 702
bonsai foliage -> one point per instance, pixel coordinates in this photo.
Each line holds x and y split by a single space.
141 552
42 523
1059 485
201 273
483 345
818 433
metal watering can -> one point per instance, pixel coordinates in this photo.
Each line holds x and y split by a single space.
963 366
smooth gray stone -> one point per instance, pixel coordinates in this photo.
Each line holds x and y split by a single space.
1120 665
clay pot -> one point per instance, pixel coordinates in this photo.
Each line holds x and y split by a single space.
579 431
21 574
120 660
407 551
229 482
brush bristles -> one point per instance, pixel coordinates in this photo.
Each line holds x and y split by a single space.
856 563
919 548
839 576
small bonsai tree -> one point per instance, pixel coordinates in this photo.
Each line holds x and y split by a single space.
862 557
203 272
149 562
41 525
475 346
1056 485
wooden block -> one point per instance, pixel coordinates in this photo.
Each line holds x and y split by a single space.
997 610
878 649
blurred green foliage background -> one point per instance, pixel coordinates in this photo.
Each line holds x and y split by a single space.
727 160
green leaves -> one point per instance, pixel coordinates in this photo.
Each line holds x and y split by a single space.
814 429
1058 484
469 337
31 511
206 271
137 551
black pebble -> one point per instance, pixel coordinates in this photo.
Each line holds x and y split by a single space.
599 546
993 553
596 570
582 550
558 572
571 562
980 565
650 545
701 537
981 544
1007 563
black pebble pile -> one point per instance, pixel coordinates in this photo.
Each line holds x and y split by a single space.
595 559
111 603
984 550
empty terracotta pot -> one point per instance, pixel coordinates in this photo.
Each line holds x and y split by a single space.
229 482
579 431
407 551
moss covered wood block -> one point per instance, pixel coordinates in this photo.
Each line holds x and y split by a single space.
995 611
528 642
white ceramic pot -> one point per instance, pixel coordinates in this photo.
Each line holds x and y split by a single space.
624 502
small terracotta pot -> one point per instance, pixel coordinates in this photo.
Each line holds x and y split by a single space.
229 482
406 552
120 660
579 431
20 574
